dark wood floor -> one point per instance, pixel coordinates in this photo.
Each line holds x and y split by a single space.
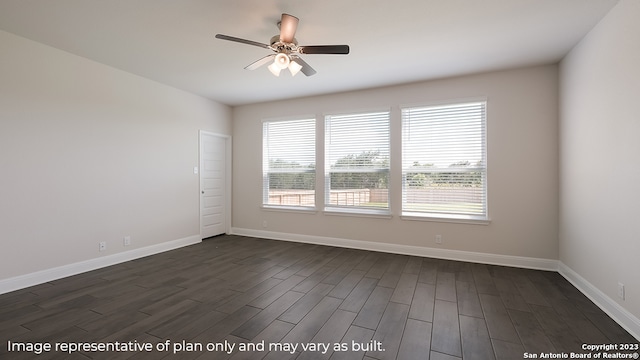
248 292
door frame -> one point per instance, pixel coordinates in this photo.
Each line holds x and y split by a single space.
227 180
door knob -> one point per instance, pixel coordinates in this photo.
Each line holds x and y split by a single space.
203 191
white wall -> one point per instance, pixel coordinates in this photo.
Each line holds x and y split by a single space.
89 153
599 157
522 166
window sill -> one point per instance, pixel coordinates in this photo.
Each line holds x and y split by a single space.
449 218
292 209
371 213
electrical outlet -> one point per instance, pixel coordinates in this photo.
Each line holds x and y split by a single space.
621 290
438 239
127 240
103 245
265 224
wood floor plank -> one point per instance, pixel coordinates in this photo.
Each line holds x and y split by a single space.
380 267
359 295
484 280
192 328
417 342
468 300
505 350
373 308
11 334
271 334
20 316
501 328
136 329
405 288
514 301
561 335
476 344
533 337
51 321
242 299
398 263
141 299
390 330
367 262
139 355
302 307
249 329
62 287
276 292
445 337
314 279
11 302
465 273
446 286
300 265
586 331
614 332
313 321
114 290
346 285
504 285
428 272
355 335
226 325
440 356
341 258
492 304
413 266
422 303
497 319
21 297
98 328
319 263
389 280
339 273
548 288
530 293
331 333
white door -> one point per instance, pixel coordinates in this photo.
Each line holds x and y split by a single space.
213 184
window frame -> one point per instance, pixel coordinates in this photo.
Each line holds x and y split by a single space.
266 169
411 214
351 210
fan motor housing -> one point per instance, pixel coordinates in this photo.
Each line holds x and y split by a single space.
275 42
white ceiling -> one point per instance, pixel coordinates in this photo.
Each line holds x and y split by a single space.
392 42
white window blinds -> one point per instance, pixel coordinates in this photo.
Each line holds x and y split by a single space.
357 161
289 162
444 165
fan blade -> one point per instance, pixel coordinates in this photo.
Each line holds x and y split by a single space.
243 41
306 68
324 49
288 26
256 64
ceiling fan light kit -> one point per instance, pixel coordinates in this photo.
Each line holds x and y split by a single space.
286 48
294 68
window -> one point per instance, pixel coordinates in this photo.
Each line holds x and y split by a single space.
357 162
444 164
289 163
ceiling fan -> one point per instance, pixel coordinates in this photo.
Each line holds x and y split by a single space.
287 50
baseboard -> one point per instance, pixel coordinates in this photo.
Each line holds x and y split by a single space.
43 276
619 314
483 258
